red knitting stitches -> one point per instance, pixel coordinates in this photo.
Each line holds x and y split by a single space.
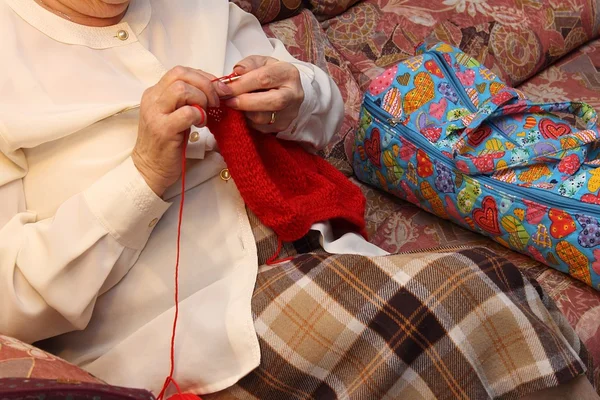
286 187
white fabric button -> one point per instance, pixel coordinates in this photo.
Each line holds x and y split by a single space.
194 137
153 223
122 35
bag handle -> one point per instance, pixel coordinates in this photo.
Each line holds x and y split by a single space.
580 110
548 150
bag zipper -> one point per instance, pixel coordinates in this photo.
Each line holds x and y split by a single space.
539 195
458 88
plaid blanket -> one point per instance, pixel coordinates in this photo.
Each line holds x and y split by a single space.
444 325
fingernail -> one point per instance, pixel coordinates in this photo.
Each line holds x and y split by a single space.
226 90
239 66
233 103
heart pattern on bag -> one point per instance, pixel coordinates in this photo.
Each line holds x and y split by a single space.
590 235
437 110
407 150
420 95
434 69
424 164
562 223
569 165
448 92
591 198
535 212
467 78
553 130
373 147
478 136
383 81
487 216
432 134
403 79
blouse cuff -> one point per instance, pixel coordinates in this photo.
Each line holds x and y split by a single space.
306 108
125 205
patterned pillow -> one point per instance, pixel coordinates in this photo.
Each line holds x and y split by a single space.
20 360
270 10
330 8
515 39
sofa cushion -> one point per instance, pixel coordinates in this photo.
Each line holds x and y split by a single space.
270 10
20 360
515 39
305 40
576 77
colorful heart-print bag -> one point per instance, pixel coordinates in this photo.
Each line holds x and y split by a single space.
444 133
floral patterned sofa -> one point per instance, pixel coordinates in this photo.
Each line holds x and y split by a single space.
548 48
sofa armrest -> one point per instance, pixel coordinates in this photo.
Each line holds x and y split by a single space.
21 360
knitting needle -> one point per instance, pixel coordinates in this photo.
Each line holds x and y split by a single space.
227 79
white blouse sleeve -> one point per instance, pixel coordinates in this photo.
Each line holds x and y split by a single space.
52 270
322 110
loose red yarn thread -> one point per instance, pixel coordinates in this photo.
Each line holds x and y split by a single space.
170 380
179 395
273 260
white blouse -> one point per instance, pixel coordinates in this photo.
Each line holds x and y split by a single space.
87 250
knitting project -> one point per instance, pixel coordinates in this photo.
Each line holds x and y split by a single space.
285 186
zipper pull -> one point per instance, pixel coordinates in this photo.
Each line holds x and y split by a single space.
394 121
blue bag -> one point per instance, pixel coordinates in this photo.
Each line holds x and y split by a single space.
446 134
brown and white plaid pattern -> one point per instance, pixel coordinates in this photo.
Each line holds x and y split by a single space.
458 325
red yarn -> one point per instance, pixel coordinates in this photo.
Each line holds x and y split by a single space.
286 187
273 260
170 379
184 396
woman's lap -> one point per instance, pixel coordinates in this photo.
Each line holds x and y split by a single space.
443 325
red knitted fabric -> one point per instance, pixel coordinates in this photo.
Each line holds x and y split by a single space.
286 187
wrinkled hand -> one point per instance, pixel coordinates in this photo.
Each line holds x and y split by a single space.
267 85
166 115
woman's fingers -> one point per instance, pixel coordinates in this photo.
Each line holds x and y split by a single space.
198 79
260 117
267 86
252 62
183 118
272 122
168 110
272 100
180 94
271 76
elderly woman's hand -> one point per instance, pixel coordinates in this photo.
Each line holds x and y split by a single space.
166 115
267 86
